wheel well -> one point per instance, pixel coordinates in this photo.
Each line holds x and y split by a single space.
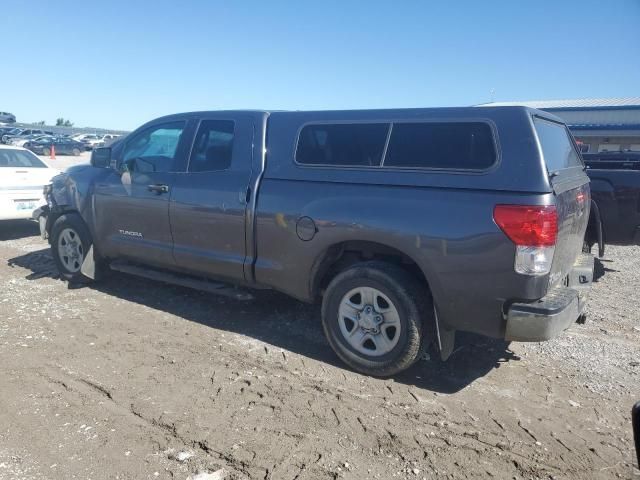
54 214
341 256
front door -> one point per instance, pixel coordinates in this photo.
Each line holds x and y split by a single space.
209 201
132 204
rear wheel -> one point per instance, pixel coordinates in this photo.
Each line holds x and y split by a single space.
46 152
374 315
70 243
76 152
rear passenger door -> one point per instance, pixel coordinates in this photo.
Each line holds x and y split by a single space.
209 201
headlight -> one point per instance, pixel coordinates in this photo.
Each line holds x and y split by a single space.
46 192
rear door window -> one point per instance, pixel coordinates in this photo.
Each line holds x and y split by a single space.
348 144
213 146
451 145
558 150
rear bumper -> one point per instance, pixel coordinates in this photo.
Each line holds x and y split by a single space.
9 202
556 311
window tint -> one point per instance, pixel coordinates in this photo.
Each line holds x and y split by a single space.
154 149
557 147
20 159
213 146
355 144
453 145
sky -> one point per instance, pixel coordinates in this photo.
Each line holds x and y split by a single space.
117 64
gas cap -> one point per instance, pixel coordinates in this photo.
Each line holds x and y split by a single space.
306 228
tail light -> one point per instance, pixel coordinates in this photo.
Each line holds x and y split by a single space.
534 230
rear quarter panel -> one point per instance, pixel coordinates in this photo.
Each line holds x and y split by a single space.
443 220
450 234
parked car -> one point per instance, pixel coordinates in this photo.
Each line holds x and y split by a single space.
11 132
20 140
110 138
63 146
408 225
615 188
92 141
25 133
22 179
7 130
6 117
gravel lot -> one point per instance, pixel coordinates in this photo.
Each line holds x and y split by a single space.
132 379
62 162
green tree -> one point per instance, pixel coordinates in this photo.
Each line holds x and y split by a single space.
61 122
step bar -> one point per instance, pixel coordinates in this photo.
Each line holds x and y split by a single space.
182 280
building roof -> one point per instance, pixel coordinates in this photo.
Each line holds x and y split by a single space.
579 103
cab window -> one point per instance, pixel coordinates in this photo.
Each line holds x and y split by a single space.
153 149
213 146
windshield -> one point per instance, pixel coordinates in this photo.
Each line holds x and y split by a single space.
19 159
557 147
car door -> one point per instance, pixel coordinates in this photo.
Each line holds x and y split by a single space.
132 203
209 201
62 146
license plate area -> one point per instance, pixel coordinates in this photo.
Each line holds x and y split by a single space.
27 204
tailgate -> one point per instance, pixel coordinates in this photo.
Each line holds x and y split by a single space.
573 206
572 194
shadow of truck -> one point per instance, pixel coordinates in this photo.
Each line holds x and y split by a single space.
283 322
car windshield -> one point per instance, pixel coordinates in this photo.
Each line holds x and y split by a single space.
19 159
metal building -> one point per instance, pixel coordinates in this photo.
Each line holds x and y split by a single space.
599 124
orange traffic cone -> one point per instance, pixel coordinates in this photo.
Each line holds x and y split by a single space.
53 152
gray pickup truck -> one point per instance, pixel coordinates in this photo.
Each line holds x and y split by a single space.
407 225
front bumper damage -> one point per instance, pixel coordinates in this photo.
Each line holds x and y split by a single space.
41 215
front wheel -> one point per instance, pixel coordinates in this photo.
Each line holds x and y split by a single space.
70 243
374 315
46 152
76 152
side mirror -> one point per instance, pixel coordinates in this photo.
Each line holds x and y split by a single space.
101 157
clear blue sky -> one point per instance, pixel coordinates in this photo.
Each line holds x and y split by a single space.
117 63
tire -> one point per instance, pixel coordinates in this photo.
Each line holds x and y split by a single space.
69 229
75 152
400 291
46 152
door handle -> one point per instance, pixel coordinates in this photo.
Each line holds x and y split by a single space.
158 188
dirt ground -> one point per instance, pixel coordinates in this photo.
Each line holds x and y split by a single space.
130 379
62 162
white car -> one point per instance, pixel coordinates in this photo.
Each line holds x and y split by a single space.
22 180
92 141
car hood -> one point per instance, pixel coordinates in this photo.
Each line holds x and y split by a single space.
78 168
